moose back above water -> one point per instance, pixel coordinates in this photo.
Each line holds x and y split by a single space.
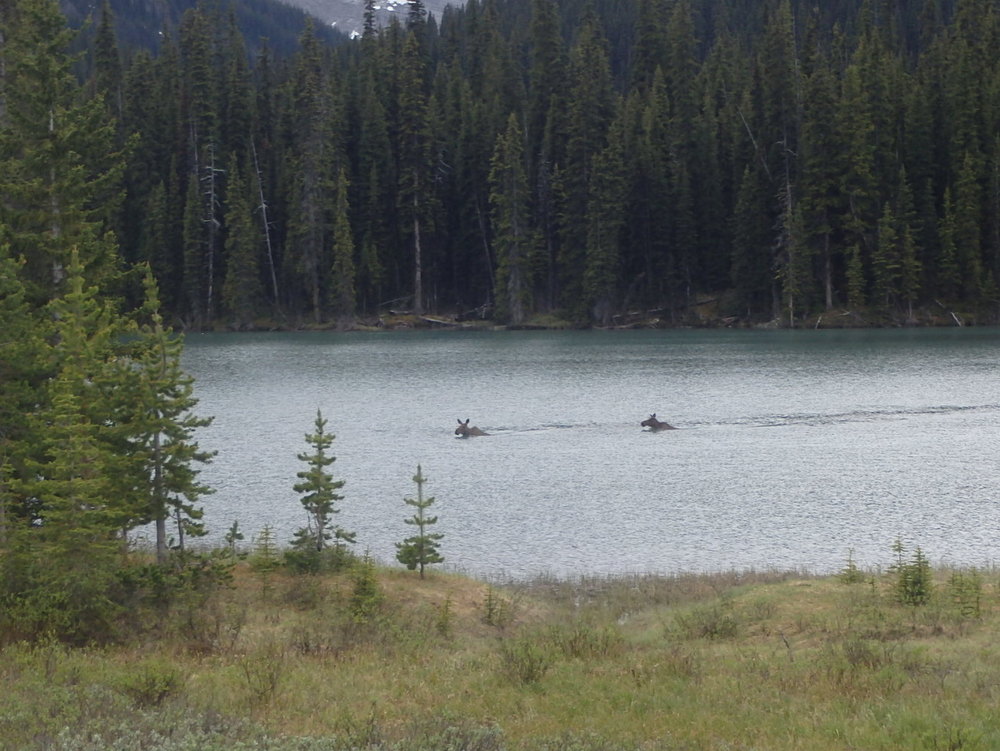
465 431
656 425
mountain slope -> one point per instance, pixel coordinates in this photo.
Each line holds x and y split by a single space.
347 16
143 23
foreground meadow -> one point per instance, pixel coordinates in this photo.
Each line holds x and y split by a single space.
380 659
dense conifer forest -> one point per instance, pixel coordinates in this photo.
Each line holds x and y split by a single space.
525 158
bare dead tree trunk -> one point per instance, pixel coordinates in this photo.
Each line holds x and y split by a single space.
161 511
418 267
212 205
262 208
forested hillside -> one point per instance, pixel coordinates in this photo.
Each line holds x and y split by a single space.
584 160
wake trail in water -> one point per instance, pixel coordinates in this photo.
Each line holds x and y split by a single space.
853 416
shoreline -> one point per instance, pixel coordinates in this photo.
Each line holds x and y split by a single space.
839 319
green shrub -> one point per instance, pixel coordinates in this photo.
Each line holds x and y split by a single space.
914 583
152 682
966 591
851 574
581 641
525 660
263 671
498 610
713 621
366 596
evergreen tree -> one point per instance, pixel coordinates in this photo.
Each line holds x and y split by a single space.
590 109
313 158
421 549
650 43
909 251
163 397
59 167
414 159
886 261
512 234
820 195
194 257
857 170
343 295
968 229
604 225
59 567
949 274
154 247
372 203
319 493
242 291
752 257
22 375
107 78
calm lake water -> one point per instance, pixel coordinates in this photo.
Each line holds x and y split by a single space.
794 447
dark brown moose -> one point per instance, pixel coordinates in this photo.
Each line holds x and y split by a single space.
656 425
465 431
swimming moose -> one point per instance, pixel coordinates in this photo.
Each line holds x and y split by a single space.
465 431
656 425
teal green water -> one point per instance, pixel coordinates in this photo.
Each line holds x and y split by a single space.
793 447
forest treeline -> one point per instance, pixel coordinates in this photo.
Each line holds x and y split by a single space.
578 159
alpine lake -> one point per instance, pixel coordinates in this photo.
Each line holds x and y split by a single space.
794 449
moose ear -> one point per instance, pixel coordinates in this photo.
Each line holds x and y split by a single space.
653 415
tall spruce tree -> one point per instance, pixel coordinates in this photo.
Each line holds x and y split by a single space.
60 169
591 109
62 554
319 494
242 291
23 373
605 212
420 550
313 160
512 240
413 149
163 397
342 298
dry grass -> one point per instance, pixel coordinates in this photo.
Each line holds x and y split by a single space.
762 660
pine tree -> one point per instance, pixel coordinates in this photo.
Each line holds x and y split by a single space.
590 111
414 159
752 258
242 291
909 251
319 493
856 281
859 216
194 257
820 195
511 230
421 549
886 261
107 78
23 372
968 229
342 273
313 158
62 556
949 275
60 169
605 212
371 201
163 396
650 43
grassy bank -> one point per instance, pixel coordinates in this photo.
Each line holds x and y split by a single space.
728 661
